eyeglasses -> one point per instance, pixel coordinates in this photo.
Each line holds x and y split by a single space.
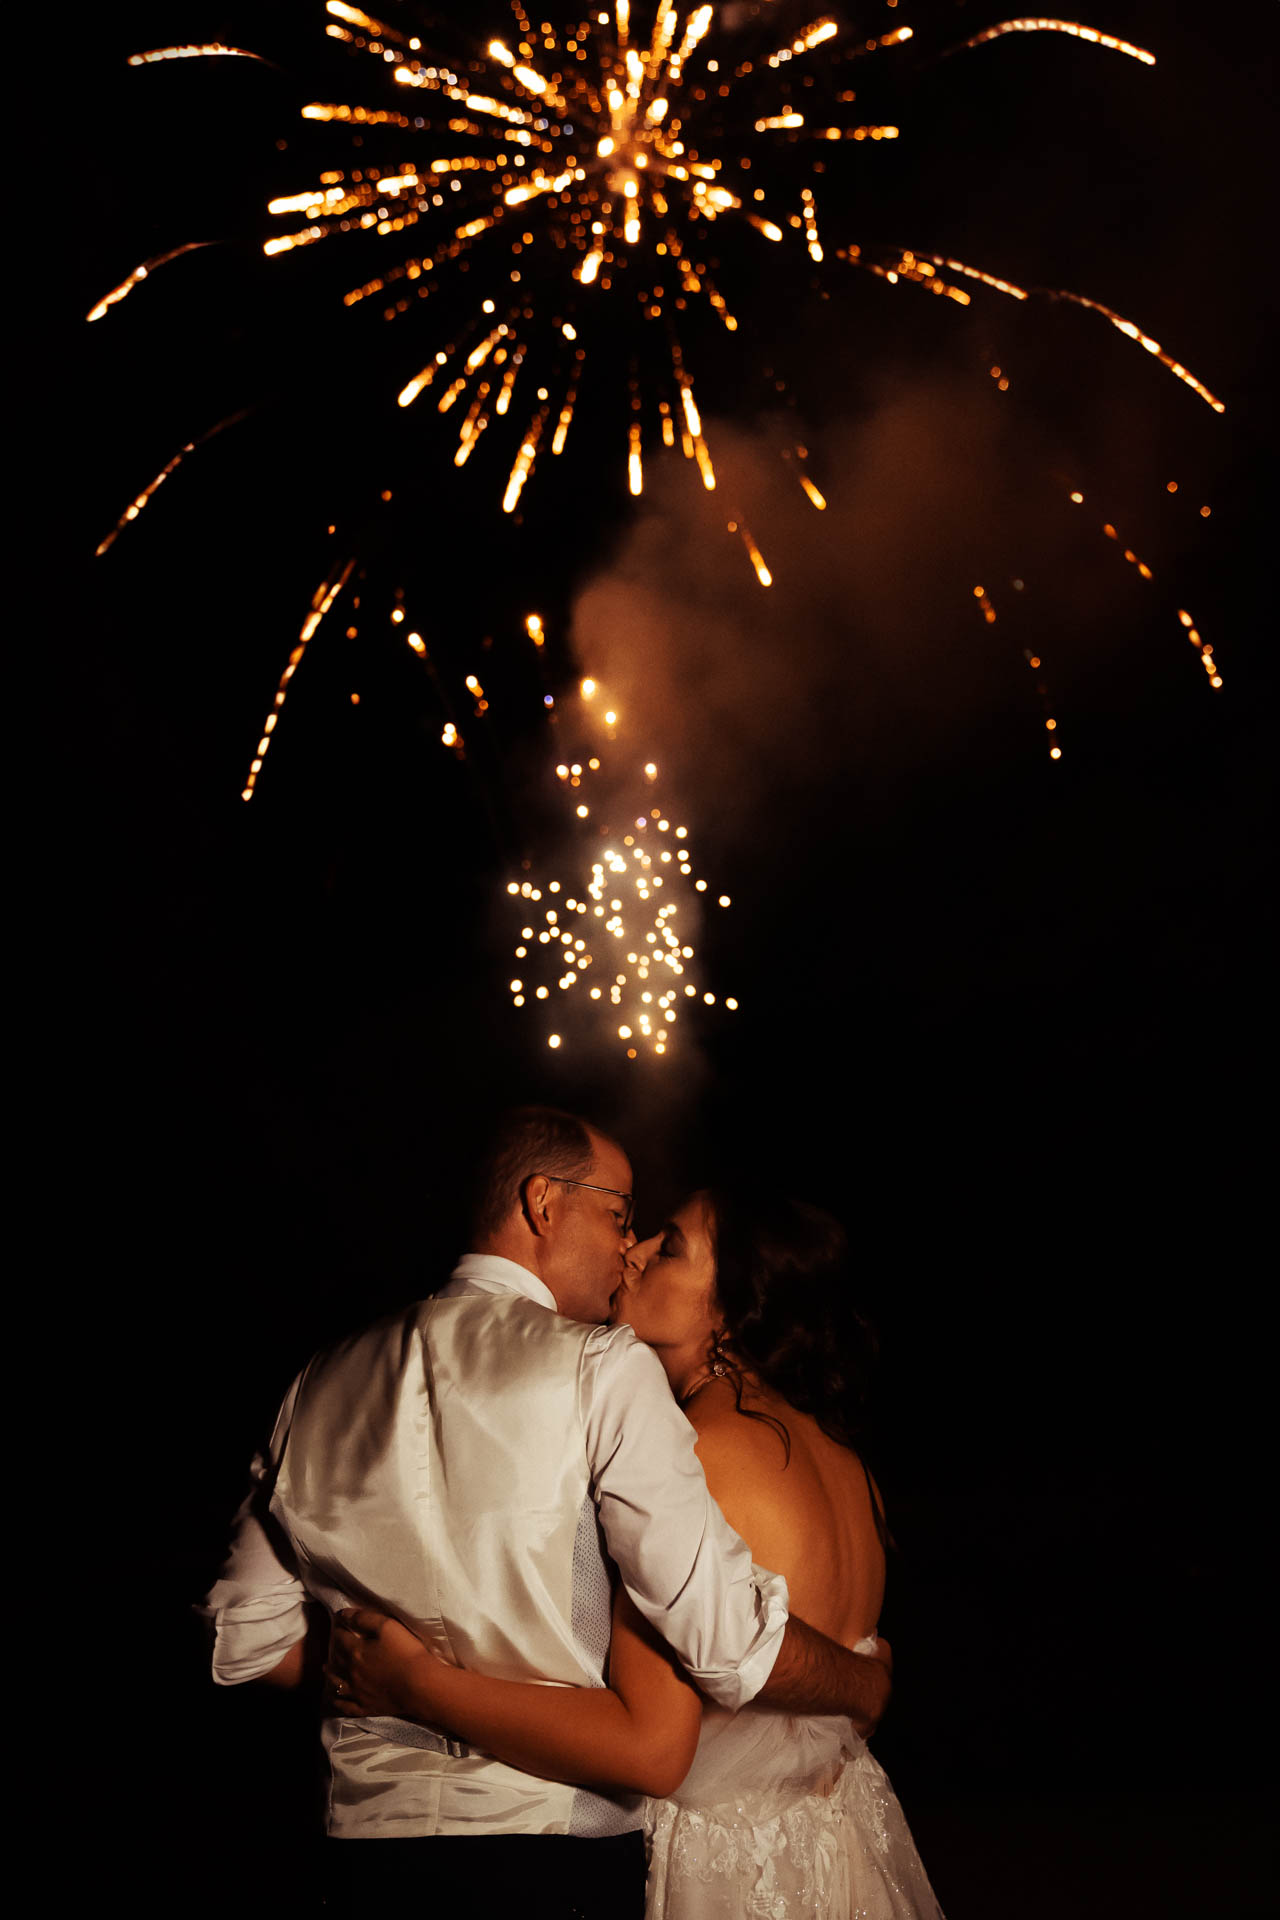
625 1224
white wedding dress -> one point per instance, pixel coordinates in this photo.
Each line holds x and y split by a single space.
783 1818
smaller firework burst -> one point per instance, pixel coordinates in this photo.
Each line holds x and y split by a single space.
606 945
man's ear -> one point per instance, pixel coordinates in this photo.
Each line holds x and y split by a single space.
535 1200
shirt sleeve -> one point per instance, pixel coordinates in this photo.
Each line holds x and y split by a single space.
688 1572
257 1606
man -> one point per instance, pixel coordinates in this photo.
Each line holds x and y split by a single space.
473 1465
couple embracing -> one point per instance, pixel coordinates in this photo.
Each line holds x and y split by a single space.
602 1565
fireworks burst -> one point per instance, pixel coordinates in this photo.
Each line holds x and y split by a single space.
619 937
602 151
580 171
560 199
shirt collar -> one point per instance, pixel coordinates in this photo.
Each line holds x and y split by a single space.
492 1273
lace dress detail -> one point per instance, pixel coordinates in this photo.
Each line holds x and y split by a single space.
783 1818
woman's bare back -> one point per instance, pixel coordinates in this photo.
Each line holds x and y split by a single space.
808 1518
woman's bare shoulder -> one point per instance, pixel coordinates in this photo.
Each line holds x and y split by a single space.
745 1462
726 1429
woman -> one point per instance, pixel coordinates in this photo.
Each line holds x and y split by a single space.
746 1303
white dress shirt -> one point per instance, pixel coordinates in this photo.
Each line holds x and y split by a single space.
466 1465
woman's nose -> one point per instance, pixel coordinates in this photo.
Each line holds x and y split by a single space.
639 1254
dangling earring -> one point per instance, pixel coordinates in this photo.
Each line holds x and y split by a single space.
719 1358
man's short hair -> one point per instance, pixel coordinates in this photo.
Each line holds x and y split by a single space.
526 1140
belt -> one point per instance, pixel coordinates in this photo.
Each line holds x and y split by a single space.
408 1733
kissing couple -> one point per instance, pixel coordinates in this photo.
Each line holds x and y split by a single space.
597 1565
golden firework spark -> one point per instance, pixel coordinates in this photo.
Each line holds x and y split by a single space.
1038 24
1036 664
148 493
754 554
971 273
210 50
795 458
1132 331
1186 621
987 608
139 274
906 265
321 601
1132 558
921 267
1193 634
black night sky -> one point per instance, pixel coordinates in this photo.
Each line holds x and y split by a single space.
1004 1016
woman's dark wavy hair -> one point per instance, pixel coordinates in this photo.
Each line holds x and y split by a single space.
784 1283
